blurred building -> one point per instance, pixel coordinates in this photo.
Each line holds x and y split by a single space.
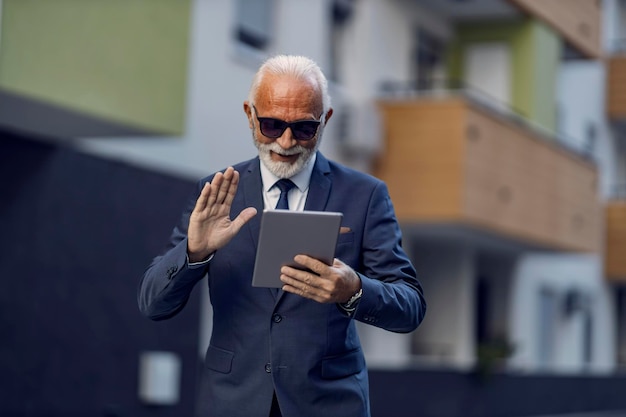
498 125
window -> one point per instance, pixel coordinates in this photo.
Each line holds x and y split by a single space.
548 311
340 13
591 137
254 22
587 354
429 61
621 326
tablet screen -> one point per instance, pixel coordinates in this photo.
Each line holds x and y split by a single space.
285 234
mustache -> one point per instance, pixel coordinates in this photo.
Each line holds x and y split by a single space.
276 148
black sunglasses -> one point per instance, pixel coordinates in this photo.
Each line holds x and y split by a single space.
274 128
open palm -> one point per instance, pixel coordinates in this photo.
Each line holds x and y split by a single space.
210 226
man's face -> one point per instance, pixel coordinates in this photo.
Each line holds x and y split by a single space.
289 100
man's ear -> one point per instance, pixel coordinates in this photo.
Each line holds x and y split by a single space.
328 114
248 109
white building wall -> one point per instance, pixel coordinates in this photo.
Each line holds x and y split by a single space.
581 98
447 274
220 71
561 274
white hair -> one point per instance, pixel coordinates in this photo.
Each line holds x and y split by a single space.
299 67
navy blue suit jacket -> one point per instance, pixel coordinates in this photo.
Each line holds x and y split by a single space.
307 352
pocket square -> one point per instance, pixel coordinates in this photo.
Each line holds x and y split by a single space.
344 229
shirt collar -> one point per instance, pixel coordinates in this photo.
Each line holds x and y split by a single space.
301 179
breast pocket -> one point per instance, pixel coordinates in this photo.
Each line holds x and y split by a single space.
345 238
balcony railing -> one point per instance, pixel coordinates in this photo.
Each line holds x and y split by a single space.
449 87
458 158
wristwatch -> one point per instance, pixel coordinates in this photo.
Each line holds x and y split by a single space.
352 302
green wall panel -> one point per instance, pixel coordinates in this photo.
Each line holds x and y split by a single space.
120 60
546 61
535 54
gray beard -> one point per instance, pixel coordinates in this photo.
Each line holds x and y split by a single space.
284 169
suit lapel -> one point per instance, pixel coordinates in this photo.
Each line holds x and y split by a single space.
252 189
319 186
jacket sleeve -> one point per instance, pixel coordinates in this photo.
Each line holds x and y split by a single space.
392 295
167 283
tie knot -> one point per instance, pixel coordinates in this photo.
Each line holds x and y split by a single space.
284 185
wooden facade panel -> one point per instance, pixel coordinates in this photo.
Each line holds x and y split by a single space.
513 201
578 21
423 158
530 189
451 161
616 88
615 256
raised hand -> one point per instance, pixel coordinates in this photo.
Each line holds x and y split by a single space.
210 226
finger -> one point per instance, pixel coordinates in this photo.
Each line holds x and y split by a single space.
243 218
232 190
301 279
315 265
299 287
337 263
224 185
297 277
201 202
215 186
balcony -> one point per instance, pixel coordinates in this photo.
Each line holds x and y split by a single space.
616 87
615 257
452 163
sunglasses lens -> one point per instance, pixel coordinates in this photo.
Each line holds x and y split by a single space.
304 130
272 128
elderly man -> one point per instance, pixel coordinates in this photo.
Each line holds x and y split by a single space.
293 352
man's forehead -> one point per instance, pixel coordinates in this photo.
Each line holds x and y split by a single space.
273 85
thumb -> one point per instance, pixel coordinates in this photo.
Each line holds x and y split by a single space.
337 263
244 217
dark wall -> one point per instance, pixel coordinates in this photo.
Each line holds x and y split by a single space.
76 233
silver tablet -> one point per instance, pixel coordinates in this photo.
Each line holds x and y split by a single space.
285 234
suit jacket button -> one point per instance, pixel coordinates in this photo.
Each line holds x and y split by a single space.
268 367
171 271
277 318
